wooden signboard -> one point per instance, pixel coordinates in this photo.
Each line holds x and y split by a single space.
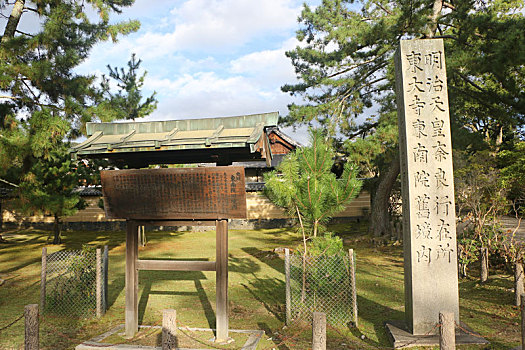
175 193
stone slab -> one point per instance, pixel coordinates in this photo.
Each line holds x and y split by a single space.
401 338
427 184
97 344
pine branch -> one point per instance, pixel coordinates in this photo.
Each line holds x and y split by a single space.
20 32
363 130
7 182
355 65
31 102
31 91
449 5
31 9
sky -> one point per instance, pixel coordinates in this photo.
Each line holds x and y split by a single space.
209 58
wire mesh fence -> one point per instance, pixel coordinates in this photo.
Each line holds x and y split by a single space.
75 282
321 284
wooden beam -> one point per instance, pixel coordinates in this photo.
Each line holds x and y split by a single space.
221 276
132 320
174 265
176 222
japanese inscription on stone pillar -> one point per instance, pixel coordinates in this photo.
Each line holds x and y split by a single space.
429 231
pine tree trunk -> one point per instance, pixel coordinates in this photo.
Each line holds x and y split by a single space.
436 10
56 230
12 22
484 261
518 283
379 217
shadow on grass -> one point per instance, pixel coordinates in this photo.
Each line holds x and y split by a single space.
377 315
269 332
267 257
264 291
242 265
148 278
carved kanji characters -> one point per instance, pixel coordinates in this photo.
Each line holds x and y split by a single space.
420 153
422 178
444 251
414 61
434 59
441 180
417 104
416 85
435 84
443 231
424 231
440 153
423 210
437 127
442 205
424 254
419 128
437 104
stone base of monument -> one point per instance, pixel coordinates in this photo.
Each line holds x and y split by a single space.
401 338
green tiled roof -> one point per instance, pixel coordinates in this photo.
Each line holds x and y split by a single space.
237 138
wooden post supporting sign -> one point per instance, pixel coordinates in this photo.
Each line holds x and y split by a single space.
132 320
176 197
221 274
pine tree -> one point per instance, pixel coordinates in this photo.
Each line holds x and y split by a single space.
304 185
44 103
37 78
345 67
48 188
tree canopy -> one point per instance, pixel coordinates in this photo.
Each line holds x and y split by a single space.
346 73
43 100
45 103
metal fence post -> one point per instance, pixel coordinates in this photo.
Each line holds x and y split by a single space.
287 281
43 276
106 263
169 329
31 327
98 281
351 256
319 331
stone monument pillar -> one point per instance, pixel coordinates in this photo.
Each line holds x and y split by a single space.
429 220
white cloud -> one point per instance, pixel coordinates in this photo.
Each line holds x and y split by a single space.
219 25
205 94
267 67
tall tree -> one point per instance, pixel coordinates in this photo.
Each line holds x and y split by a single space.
44 102
345 70
42 99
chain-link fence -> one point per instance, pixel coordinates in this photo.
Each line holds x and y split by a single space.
74 282
321 284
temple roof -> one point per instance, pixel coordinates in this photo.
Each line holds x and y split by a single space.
222 140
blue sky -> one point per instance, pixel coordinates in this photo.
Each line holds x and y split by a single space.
208 58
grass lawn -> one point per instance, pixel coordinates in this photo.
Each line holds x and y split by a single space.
256 289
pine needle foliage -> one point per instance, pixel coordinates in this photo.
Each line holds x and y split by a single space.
305 187
127 102
48 188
